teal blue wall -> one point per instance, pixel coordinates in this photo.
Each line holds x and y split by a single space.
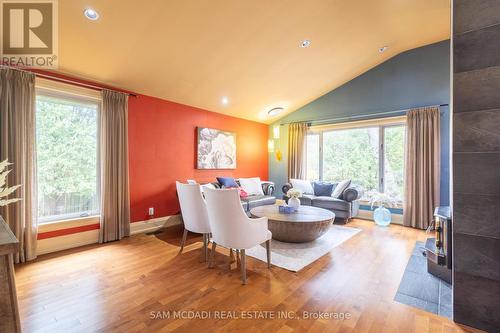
419 77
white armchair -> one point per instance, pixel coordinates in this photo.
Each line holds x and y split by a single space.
232 228
194 213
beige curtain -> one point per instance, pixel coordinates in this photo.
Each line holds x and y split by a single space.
115 206
296 150
17 144
421 166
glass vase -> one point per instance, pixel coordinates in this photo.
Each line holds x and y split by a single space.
382 216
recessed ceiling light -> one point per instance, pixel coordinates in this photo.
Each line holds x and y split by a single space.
91 14
305 43
224 100
275 111
383 49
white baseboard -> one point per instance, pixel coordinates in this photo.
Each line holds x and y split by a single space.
154 224
54 244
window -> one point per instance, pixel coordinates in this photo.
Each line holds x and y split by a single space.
394 149
352 154
371 155
67 156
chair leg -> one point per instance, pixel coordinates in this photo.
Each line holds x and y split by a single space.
184 236
231 255
212 254
237 258
243 267
205 246
268 251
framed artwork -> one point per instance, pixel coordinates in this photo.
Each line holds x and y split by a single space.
216 149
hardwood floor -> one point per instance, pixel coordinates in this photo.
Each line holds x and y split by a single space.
119 286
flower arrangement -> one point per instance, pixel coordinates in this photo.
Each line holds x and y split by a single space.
293 193
382 199
4 189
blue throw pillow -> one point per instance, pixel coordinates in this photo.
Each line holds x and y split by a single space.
323 189
227 182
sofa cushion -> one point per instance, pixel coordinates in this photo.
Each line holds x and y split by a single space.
330 203
323 189
259 200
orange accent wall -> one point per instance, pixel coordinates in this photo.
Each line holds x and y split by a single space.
162 149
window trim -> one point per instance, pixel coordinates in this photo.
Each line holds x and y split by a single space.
358 124
68 217
67 89
381 123
64 91
68 223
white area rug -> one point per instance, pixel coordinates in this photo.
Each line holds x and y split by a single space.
295 256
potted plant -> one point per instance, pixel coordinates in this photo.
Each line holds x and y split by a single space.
294 196
5 191
382 215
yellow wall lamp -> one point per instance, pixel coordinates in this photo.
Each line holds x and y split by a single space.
271 143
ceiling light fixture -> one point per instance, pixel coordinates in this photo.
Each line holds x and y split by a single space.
305 43
275 111
383 49
91 14
224 100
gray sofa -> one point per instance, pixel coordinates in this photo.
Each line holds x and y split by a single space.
252 201
345 208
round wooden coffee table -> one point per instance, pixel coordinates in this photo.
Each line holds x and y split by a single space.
305 225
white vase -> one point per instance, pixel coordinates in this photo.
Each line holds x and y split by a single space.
294 202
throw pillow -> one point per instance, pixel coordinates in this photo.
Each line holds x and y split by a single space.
242 193
339 190
227 182
323 189
252 186
303 186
